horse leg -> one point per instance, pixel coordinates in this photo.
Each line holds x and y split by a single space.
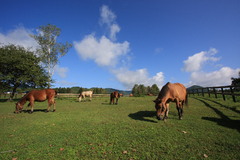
90 97
116 101
166 112
32 105
80 98
49 105
54 104
180 109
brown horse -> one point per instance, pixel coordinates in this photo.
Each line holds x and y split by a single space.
114 95
39 96
171 92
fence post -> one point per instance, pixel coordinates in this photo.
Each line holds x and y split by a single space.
232 92
202 92
208 92
223 94
214 90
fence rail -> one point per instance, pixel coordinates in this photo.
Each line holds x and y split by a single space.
72 95
219 90
60 95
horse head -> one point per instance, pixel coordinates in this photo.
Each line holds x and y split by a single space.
160 108
19 107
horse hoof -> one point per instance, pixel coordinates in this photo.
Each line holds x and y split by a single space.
30 112
46 111
54 110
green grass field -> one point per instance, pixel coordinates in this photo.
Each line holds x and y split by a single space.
210 129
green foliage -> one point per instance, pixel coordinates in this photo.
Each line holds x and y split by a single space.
236 81
97 130
141 90
50 50
20 68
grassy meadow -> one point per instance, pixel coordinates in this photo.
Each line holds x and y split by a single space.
210 129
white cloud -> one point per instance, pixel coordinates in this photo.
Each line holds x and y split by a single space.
216 78
61 71
130 78
19 36
195 62
103 51
114 29
107 16
109 19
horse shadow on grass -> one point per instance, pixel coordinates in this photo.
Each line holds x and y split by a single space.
143 116
224 120
234 108
35 110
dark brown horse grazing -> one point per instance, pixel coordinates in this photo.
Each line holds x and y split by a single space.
171 92
114 95
39 96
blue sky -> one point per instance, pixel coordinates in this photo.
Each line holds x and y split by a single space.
120 43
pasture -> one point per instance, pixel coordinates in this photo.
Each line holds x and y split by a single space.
210 129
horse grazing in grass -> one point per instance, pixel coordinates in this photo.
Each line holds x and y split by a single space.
171 92
39 96
85 94
114 95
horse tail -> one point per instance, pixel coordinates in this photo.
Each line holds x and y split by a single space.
186 99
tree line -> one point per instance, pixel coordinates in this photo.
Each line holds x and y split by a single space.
141 90
77 90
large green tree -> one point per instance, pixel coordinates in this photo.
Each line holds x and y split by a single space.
50 50
19 67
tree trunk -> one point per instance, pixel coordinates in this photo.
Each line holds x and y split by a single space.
13 93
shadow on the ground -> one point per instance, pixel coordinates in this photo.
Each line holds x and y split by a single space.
223 120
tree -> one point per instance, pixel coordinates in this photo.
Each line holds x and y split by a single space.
139 90
50 50
154 90
135 90
19 67
236 81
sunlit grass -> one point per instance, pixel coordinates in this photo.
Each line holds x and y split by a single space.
129 130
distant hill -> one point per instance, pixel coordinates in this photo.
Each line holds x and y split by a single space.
194 87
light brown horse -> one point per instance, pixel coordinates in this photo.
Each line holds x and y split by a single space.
171 92
85 94
114 95
39 96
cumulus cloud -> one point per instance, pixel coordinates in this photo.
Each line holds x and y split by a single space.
61 71
107 51
141 76
19 36
103 51
108 18
195 62
216 78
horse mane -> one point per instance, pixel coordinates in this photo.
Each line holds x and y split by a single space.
163 91
23 100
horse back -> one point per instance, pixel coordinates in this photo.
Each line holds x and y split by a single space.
173 91
41 95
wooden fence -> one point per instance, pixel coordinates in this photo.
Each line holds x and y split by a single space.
59 95
72 95
220 90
